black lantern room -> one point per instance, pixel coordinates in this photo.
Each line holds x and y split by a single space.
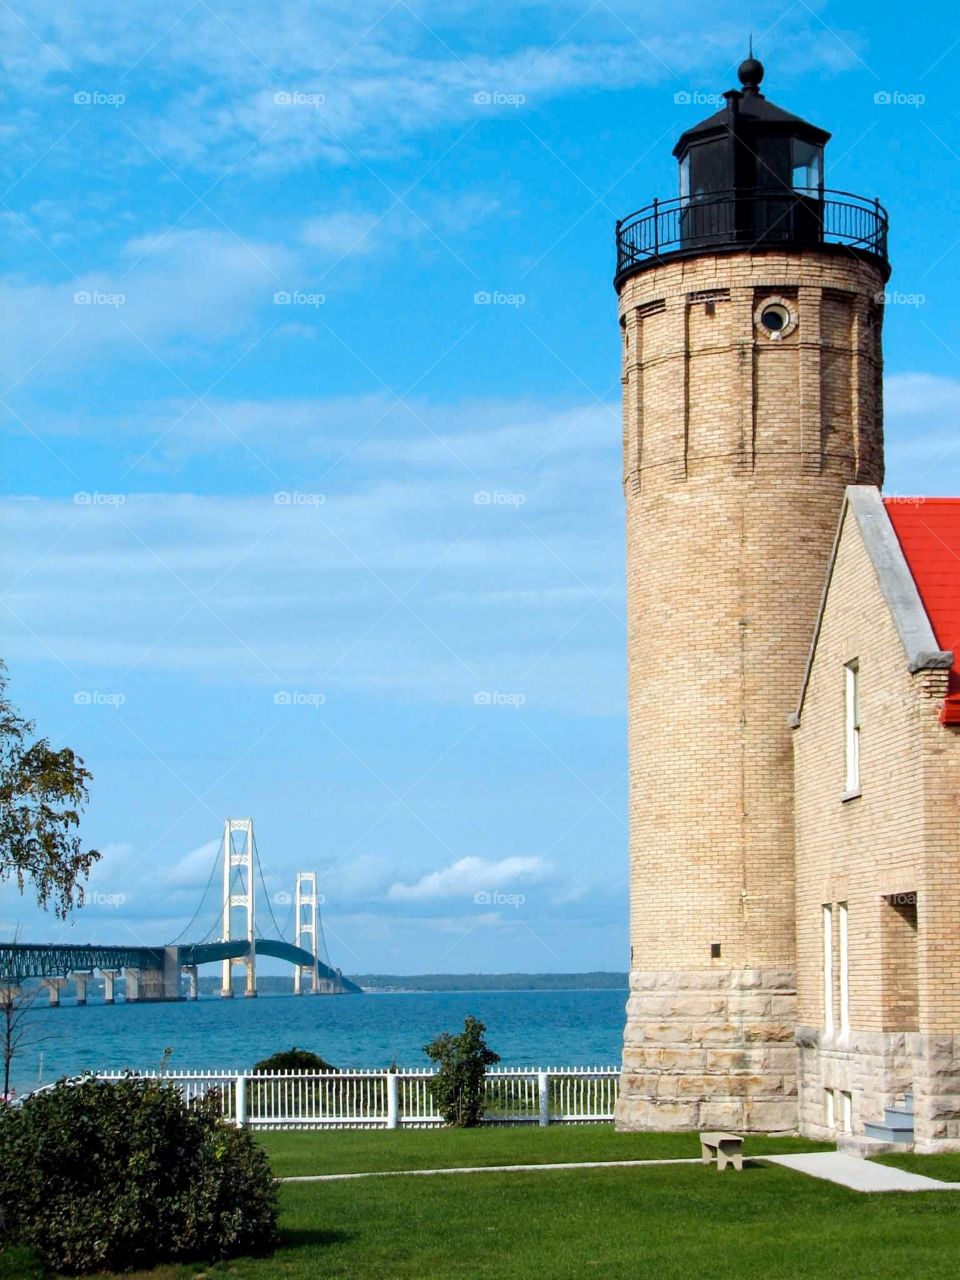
752 172
751 177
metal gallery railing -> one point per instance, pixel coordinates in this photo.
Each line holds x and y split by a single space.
803 218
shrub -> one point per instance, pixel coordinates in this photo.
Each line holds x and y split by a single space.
458 1085
294 1060
126 1174
19 1263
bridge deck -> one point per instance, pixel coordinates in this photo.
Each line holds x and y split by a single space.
22 960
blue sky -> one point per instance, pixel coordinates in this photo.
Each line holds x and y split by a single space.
295 527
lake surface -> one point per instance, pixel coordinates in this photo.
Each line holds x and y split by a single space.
527 1028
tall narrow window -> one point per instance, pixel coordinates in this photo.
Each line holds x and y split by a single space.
844 959
846 1111
830 1108
828 968
852 699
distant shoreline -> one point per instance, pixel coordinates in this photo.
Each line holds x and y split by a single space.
452 983
432 983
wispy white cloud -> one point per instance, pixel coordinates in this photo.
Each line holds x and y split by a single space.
384 72
472 875
166 291
921 395
922 412
474 438
405 585
192 871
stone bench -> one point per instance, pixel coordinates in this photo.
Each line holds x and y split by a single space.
727 1146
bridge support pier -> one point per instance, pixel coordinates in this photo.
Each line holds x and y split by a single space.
54 985
193 981
109 978
170 983
154 984
81 979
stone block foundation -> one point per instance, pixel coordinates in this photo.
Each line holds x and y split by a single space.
710 1049
876 1068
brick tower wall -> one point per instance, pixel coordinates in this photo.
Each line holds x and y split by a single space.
737 450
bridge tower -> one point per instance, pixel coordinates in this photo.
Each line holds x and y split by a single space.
305 916
238 893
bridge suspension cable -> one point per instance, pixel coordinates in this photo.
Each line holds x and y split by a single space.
324 953
263 885
287 924
190 924
213 932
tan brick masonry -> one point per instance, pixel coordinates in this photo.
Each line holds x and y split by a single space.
737 449
892 854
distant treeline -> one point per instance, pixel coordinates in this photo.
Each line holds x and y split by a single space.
597 981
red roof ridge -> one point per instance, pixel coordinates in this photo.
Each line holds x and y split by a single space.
928 530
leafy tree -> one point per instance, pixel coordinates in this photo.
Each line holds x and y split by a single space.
127 1174
42 793
458 1085
294 1059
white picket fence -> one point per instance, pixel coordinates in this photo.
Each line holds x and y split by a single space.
396 1099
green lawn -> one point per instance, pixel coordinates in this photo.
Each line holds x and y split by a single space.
672 1222
357 1151
945 1167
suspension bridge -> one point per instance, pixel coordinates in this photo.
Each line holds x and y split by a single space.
234 938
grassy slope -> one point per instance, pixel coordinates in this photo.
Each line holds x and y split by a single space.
672 1222
356 1151
945 1167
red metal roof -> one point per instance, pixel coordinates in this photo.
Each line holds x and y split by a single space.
928 530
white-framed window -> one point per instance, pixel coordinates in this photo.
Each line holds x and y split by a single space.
830 1109
806 166
844 965
685 179
846 1111
827 967
851 674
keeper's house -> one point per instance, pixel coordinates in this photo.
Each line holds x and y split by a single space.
877 776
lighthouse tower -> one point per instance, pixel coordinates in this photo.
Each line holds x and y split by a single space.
751 310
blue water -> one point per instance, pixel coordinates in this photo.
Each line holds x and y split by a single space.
527 1028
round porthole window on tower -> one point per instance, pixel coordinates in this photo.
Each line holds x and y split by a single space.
775 318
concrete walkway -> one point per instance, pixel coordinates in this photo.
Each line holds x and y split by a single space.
485 1168
858 1175
833 1166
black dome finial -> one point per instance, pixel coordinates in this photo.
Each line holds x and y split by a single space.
750 71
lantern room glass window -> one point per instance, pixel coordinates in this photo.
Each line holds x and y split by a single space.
705 169
807 166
